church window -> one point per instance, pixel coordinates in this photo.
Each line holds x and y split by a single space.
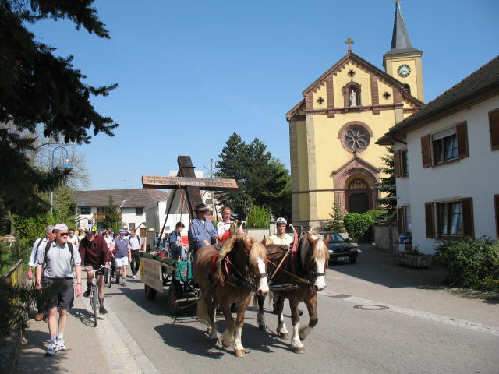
320 100
387 95
356 138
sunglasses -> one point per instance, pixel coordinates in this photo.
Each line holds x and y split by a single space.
63 234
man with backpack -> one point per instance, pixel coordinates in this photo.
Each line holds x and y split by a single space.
57 261
39 245
134 245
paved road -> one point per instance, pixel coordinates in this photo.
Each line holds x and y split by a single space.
347 340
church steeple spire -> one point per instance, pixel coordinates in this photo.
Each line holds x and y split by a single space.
400 37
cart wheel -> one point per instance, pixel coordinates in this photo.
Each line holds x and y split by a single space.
172 297
150 292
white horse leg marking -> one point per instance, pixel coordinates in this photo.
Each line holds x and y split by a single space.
213 332
263 287
238 345
295 340
320 282
261 320
281 327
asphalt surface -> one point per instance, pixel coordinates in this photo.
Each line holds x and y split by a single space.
348 339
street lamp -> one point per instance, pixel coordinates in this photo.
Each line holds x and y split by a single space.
66 167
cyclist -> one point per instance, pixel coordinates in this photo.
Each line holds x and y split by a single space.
94 253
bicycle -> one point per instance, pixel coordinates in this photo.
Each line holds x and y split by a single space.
94 292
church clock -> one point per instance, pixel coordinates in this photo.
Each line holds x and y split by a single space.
404 71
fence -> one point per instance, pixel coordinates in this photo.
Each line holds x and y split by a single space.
15 274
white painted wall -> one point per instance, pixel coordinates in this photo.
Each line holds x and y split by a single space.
128 215
476 176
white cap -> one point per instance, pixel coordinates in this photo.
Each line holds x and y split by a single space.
281 221
60 227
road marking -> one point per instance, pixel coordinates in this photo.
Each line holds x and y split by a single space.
494 330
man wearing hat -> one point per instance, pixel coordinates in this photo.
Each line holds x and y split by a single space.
281 238
122 256
201 230
57 261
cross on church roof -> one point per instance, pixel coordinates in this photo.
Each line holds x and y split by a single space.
349 41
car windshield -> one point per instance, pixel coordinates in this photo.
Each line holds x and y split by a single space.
337 238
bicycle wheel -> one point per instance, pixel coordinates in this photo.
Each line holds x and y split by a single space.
94 301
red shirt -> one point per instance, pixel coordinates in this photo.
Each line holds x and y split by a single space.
94 252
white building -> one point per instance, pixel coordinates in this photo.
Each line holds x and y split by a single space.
447 163
131 202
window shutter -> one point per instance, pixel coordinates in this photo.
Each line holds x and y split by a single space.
462 140
397 162
400 220
430 222
468 224
426 151
496 206
403 163
494 129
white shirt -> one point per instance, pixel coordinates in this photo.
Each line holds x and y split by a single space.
74 240
110 242
133 243
278 240
34 252
222 227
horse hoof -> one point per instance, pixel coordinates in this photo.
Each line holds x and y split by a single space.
239 352
283 335
298 350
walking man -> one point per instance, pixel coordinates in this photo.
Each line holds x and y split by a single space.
39 245
94 253
73 239
122 256
57 261
134 246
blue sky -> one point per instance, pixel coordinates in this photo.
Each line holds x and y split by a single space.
192 73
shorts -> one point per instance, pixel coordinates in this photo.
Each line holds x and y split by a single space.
93 266
121 261
63 293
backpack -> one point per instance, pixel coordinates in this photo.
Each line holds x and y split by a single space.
40 240
47 247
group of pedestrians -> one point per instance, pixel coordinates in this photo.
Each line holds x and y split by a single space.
56 262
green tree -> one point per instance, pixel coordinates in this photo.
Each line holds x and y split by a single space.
262 180
387 187
38 88
112 218
336 223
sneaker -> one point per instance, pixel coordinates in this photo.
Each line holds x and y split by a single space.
133 277
59 345
102 310
52 349
123 283
86 293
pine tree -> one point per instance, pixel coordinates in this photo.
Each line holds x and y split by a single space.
39 89
387 186
112 217
337 215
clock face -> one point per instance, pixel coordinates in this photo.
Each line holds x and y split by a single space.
404 70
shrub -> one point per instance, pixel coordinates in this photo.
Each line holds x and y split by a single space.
471 263
358 224
258 217
378 215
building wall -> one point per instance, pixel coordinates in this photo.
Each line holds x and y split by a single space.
476 176
319 151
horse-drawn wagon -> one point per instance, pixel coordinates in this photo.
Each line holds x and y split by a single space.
169 276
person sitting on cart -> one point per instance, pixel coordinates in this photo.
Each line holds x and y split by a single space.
175 240
201 230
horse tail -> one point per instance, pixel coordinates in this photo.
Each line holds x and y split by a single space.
202 310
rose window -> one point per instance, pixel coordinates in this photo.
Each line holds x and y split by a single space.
356 138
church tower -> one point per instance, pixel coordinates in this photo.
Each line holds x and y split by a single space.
403 62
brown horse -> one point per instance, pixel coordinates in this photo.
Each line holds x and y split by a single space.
228 277
302 275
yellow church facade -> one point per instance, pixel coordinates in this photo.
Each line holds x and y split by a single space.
334 129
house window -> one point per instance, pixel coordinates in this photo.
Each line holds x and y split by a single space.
139 211
401 164
445 146
100 209
450 218
84 210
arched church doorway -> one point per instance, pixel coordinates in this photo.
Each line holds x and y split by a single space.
358 195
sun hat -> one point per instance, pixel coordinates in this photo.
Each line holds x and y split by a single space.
60 227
